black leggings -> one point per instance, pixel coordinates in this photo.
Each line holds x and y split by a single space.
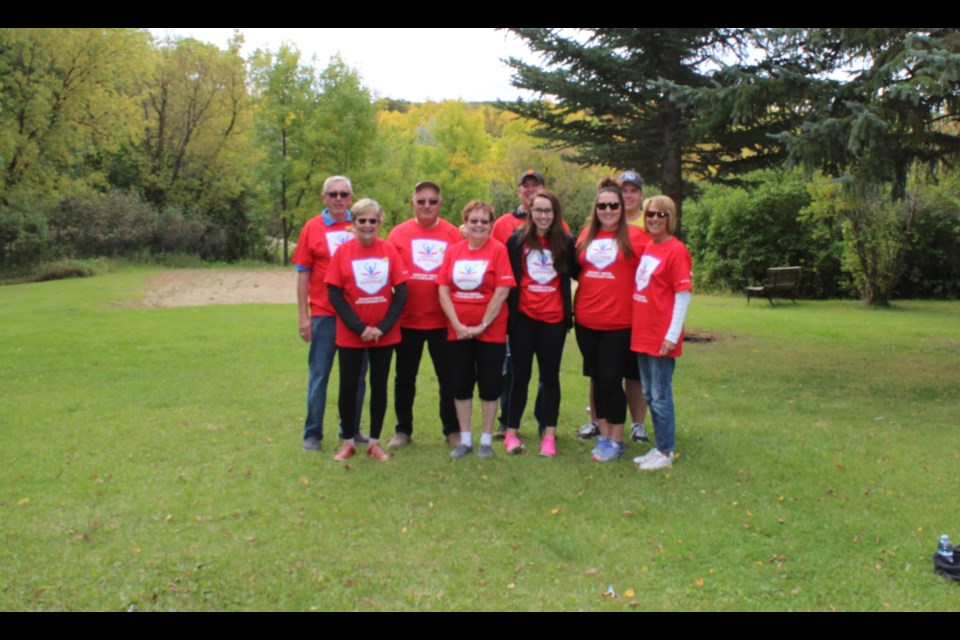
528 337
351 362
476 363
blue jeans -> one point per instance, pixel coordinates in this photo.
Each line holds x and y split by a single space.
323 347
656 374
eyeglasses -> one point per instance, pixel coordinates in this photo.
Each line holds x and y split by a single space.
343 195
478 221
543 212
602 206
430 201
367 220
658 214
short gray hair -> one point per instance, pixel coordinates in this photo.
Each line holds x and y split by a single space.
332 179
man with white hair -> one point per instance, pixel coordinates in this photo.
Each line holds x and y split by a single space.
320 238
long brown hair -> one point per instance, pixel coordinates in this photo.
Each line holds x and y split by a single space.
556 237
609 185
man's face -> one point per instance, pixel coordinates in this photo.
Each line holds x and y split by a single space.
632 197
338 199
426 206
529 188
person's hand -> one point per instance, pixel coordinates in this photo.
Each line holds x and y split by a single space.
463 332
371 334
667 347
306 329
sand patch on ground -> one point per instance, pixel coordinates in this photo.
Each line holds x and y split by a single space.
199 287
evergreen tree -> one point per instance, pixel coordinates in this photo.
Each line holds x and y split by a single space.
610 105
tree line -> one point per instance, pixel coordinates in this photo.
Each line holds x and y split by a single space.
115 143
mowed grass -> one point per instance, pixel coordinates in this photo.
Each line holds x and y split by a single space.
151 461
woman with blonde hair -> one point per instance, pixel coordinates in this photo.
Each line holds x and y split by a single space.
661 298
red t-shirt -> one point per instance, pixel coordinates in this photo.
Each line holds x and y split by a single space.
606 281
367 276
422 251
664 271
473 276
505 225
318 243
540 296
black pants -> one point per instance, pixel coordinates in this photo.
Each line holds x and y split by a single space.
477 364
529 337
409 353
351 363
606 360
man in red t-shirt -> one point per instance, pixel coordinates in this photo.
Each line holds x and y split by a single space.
422 242
319 240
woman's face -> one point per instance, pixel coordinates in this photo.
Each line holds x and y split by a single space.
608 210
542 215
365 227
657 222
478 225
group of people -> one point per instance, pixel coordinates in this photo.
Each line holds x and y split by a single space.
487 299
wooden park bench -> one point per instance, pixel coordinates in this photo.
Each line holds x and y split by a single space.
780 281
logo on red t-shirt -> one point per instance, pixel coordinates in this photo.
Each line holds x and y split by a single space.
540 266
648 264
428 254
601 253
371 274
468 274
337 238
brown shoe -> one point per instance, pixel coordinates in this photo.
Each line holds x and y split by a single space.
453 439
399 440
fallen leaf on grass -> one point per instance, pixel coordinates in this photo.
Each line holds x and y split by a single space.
699 582
304 481
633 604
840 467
591 571
511 586
628 513
554 511
23 501
629 593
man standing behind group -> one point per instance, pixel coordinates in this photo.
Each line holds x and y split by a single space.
422 242
531 183
319 240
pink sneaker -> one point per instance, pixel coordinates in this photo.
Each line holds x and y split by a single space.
513 445
548 447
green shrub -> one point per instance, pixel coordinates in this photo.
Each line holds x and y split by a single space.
736 233
24 236
62 269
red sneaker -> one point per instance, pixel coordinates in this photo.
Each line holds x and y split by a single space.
346 451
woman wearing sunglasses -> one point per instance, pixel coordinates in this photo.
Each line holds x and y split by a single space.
366 283
608 251
474 282
660 300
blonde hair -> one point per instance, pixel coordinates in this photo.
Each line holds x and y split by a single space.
661 203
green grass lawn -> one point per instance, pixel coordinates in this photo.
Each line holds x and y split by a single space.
151 460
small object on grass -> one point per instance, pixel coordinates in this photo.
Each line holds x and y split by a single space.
944 561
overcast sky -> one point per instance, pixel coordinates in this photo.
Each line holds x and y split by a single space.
409 64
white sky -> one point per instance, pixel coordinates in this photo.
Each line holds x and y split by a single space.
409 64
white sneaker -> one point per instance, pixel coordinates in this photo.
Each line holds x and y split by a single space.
640 459
657 461
638 433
